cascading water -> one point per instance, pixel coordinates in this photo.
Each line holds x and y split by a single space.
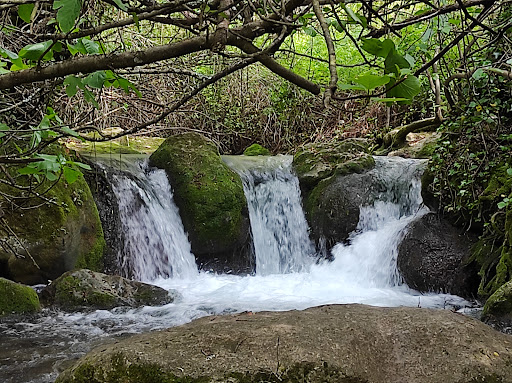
155 243
363 271
279 227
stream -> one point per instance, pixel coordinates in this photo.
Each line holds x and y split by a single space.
288 273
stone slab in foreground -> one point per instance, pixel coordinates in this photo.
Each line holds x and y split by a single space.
339 343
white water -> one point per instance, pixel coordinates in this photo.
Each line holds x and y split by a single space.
279 227
363 271
155 243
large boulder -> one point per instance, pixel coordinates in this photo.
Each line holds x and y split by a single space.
17 299
342 343
435 256
62 232
334 184
211 201
77 289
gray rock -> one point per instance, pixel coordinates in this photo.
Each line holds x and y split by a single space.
85 288
434 256
342 343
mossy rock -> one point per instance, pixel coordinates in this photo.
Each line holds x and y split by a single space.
493 252
84 288
319 161
211 201
58 235
499 304
17 299
256 150
333 343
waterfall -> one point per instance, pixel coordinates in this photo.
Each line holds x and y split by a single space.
156 249
278 225
370 260
155 243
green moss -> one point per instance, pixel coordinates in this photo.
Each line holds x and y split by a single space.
500 303
70 293
256 150
16 298
209 194
319 161
64 232
122 371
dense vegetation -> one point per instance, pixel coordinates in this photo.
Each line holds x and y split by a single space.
280 73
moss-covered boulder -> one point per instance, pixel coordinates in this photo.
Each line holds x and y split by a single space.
85 288
211 201
17 299
334 181
315 162
51 235
256 150
499 304
338 343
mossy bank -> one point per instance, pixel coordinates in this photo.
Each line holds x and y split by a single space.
211 201
50 235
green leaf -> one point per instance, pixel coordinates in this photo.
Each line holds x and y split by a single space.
30 169
351 87
90 46
357 18
378 48
51 176
34 51
72 84
127 86
395 61
121 6
372 81
389 99
82 165
25 12
70 174
77 48
509 170
6 53
89 97
309 30
502 205
96 79
69 131
407 89
67 14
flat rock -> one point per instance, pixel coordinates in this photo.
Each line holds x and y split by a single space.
338 343
85 288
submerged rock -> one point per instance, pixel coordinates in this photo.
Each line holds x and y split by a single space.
57 236
85 288
256 150
17 299
434 257
341 343
211 201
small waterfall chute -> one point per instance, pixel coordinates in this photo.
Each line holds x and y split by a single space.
278 225
155 244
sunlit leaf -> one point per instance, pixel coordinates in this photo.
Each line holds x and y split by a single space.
372 81
35 51
407 89
70 174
